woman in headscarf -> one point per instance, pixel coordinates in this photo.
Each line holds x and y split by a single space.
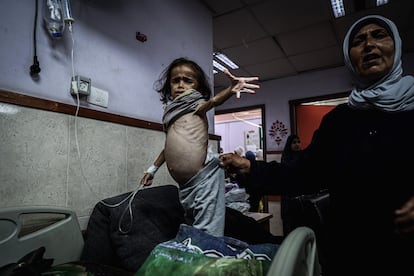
289 209
292 149
364 155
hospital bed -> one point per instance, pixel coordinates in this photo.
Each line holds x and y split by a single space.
26 228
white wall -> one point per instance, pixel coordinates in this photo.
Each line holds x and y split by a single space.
49 158
275 94
39 164
105 50
232 133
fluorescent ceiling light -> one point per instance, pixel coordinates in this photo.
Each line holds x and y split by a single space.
328 102
245 121
381 2
219 66
226 60
338 8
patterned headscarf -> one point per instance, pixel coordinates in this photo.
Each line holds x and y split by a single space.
390 93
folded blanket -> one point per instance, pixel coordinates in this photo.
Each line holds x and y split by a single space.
194 252
157 215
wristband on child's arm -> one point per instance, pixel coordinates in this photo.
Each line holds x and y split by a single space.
152 170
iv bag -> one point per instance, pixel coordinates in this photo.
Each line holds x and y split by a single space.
53 18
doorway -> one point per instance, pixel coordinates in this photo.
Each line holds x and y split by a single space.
306 114
242 127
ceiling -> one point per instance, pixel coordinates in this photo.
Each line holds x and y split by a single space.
275 38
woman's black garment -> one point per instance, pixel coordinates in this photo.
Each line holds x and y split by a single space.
365 159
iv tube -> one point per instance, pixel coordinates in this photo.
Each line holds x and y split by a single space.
67 14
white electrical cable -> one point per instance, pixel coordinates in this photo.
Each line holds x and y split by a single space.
76 115
68 159
131 196
67 167
72 53
128 208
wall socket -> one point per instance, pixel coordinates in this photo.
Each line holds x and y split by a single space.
80 85
98 97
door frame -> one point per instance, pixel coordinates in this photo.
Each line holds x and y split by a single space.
294 103
247 108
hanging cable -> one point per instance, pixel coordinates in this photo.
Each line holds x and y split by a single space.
68 19
35 68
69 22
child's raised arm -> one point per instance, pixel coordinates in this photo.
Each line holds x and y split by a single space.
238 85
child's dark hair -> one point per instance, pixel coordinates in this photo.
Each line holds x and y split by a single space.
162 85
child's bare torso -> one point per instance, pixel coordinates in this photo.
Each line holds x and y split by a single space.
186 146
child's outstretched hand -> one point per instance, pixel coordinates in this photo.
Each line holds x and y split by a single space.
241 84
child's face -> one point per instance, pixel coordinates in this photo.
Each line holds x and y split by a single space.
182 79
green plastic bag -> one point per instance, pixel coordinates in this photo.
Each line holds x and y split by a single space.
174 262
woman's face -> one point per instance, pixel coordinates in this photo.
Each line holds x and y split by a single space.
372 52
295 146
182 79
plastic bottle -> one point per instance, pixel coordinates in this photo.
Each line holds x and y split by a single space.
53 18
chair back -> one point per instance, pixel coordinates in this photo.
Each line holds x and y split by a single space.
297 255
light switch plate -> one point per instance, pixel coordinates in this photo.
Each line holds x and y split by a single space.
98 97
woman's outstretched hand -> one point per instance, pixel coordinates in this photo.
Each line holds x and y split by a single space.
234 163
242 84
